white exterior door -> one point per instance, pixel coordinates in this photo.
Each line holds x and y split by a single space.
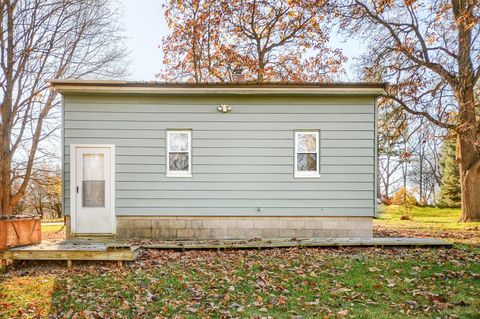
93 185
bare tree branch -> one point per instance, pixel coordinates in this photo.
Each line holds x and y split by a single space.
41 39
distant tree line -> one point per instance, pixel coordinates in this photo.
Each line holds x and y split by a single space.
44 193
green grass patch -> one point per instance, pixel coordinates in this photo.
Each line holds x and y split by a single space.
52 220
312 283
52 228
26 296
425 217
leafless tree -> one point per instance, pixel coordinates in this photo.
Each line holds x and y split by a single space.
43 194
392 124
42 39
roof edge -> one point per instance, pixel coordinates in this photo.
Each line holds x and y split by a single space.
241 88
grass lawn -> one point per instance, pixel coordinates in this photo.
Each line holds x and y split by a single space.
51 231
280 283
52 220
46 228
426 222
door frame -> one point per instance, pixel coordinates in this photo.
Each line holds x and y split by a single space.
73 183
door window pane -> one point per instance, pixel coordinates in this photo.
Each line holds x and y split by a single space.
93 167
93 181
93 194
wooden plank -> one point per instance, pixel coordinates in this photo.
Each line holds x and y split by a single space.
96 251
120 252
313 242
70 255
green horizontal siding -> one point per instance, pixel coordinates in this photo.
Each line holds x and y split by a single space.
154 102
245 211
241 177
207 143
239 169
241 203
242 160
219 125
241 151
235 194
95 108
218 117
216 135
239 160
346 188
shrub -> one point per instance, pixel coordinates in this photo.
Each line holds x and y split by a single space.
406 201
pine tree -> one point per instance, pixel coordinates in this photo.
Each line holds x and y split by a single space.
450 192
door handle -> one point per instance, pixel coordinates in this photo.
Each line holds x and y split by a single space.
77 189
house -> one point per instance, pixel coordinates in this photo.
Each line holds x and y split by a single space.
212 161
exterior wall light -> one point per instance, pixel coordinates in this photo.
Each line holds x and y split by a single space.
224 108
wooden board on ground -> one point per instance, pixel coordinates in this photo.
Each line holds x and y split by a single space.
71 250
303 242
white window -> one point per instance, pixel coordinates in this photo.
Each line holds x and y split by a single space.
179 153
307 154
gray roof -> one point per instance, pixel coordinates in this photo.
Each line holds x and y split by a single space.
154 87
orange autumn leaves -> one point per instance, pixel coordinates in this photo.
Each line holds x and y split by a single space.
271 41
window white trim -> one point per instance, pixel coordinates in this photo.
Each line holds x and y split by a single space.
189 152
307 174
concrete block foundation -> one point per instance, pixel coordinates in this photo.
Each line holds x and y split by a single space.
193 228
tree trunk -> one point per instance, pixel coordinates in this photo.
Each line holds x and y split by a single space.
433 195
6 123
468 153
6 207
468 157
470 185
58 211
420 184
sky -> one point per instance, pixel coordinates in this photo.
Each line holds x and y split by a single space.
145 26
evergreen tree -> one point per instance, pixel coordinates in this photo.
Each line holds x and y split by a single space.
450 193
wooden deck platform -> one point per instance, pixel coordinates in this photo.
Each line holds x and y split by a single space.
304 242
72 250
109 250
